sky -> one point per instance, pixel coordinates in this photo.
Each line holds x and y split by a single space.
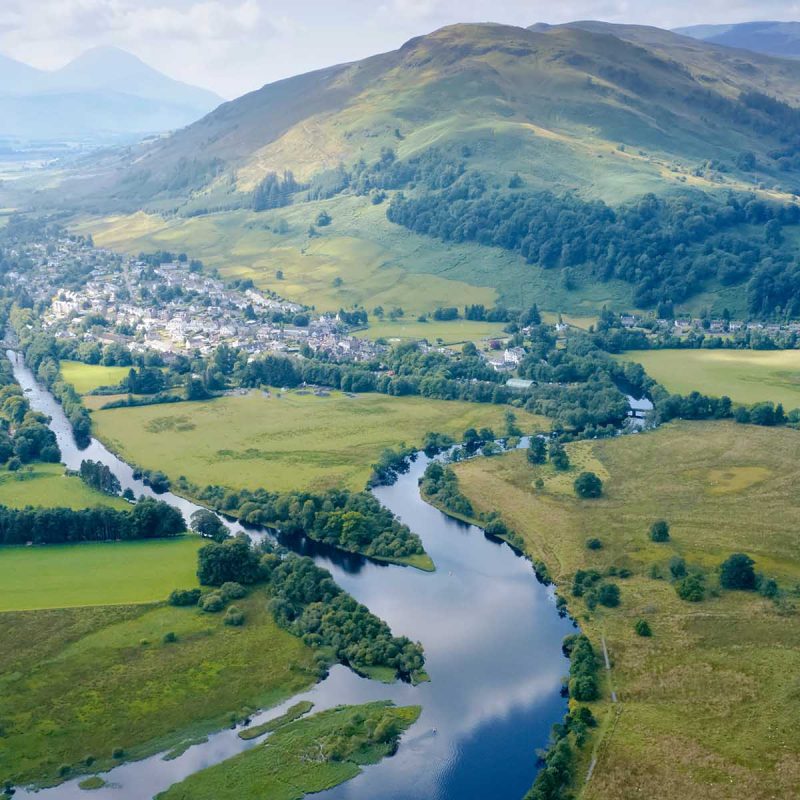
235 46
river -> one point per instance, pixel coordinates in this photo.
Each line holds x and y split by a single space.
492 639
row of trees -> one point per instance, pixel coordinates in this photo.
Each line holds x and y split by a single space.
148 519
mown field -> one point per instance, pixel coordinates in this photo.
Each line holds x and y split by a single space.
82 682
287 440
302 757
96 573
455 332
46 485
705 705
86 377
746 376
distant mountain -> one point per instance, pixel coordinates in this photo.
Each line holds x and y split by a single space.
103 92
772 38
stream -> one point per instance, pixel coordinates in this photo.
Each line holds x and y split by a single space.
492 639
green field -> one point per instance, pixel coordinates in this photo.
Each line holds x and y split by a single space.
288 440
746 376
706 705
96 573
84 681
47 485
455 332
86 377
302 757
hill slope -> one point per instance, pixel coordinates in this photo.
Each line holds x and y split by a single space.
610 112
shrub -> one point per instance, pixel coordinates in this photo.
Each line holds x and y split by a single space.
117 753
233 616
767 587
64 769
588 485
692 588
608 595
212 603
659 531
677 567
232 591
642 627
184 597
170 637
737 572
89 760
594 544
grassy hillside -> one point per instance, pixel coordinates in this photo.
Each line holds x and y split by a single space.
704 704
287 441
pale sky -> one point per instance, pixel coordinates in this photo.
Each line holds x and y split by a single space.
234 46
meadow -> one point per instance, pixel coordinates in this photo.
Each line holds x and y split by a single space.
448 333
298 759
746 376
84 682
705 705
285 441
96 573
86 377
47 485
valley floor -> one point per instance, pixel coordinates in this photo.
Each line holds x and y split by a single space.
706 705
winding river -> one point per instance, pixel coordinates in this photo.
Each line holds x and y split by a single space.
492 639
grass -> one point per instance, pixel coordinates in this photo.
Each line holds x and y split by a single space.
285 441
47 485
295 712
706 705
302 757
86 377
84 681
455 332
96 573
746 376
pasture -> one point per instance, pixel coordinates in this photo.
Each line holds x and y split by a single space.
448 333
47 485
84 682
86 377
286 441
746 376
703 705
96 573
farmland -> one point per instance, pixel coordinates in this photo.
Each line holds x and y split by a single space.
710 668
285 441
85 681
746 376
86 377
96 573
47 485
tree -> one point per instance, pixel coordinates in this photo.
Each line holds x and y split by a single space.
588 485
659 531
642 628
558 456
208 524
737 572
231 560
692 588
537 450
608 595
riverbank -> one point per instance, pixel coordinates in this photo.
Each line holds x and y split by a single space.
710 671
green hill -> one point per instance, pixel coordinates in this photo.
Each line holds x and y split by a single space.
609 112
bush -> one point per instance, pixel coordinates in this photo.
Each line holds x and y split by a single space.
692 588
212 603
659 531
233 616
677 567
588 485
767 587
184 597
64 769
117 753
737 572
608 595
170 637
231 590
594 544
642 627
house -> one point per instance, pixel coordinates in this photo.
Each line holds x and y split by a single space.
514 356
519 384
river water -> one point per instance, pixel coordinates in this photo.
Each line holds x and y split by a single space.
492 639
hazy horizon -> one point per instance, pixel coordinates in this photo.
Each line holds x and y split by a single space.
235 47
